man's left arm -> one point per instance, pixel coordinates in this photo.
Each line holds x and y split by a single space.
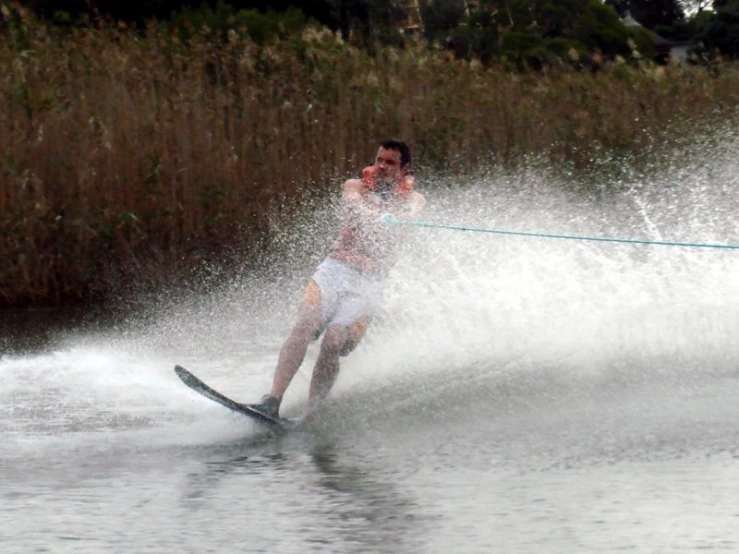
412 206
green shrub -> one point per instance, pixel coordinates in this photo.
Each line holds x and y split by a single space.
260 27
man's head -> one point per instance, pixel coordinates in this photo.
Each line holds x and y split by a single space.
392 163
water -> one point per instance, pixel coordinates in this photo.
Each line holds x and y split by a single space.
517 395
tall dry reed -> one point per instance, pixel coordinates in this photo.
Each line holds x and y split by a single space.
126 158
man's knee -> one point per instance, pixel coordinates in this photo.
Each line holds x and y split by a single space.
334 338
355 332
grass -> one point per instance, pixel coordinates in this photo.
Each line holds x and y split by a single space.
128 158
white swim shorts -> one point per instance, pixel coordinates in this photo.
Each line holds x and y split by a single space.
346 294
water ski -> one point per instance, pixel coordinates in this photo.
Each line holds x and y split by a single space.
277 424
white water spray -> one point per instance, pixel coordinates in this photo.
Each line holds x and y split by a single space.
460 308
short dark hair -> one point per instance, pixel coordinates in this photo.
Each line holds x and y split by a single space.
400 146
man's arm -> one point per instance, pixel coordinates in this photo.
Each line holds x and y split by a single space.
414 205
354 206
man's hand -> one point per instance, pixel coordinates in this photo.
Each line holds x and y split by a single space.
387 219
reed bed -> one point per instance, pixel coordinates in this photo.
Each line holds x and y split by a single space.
127 158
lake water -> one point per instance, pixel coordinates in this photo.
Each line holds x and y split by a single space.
517 395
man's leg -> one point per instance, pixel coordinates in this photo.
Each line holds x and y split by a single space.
355 333
327 364
294 348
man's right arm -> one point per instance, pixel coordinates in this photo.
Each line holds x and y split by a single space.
354 205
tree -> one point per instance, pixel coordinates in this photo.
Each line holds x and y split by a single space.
651 13
325 11
695 7
128 11
441 15
369 18
531 32
722 30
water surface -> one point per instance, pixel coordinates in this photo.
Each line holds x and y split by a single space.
517 395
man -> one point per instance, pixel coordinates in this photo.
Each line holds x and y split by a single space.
341 298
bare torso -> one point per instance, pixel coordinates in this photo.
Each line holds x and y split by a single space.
363 242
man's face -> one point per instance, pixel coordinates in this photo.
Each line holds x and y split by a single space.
388 170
